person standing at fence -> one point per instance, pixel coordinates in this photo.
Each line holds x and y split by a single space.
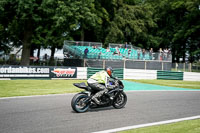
139 52
151 54
129 52
107 49
86 52
169 55
143 54
117 50
99 56
165 52
126 45
160 54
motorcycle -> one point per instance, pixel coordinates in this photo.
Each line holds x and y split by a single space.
115 97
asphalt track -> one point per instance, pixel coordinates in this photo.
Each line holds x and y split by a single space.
53 114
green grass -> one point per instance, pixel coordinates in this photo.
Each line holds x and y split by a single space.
172 83
9 88
191 126
184 70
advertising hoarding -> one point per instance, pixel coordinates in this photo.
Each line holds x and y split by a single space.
37 72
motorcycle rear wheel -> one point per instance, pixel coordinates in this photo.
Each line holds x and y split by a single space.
78 103
120 101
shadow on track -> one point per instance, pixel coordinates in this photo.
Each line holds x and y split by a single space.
97 109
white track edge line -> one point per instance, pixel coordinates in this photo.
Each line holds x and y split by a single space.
148 124
161 90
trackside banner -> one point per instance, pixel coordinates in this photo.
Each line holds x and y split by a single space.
37 72
64 72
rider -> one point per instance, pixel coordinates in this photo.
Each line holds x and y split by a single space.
100 81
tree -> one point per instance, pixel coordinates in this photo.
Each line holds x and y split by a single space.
178 27
188 28
131 24
30 23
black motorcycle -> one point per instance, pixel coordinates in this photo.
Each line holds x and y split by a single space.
115 97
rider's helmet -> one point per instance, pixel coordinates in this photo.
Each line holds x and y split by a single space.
109 70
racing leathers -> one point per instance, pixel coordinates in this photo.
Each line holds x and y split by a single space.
100 82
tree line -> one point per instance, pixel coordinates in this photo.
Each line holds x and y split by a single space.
35 24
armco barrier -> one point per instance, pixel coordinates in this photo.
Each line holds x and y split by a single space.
169 75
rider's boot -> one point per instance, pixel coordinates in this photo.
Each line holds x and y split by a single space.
97 95
95 99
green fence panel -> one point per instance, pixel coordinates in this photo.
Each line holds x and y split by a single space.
119 73
169 75
92 70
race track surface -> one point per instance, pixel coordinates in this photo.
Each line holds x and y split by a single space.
53 114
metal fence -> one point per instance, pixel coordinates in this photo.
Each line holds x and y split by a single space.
75 49
82 43
129 64
186 67
143 54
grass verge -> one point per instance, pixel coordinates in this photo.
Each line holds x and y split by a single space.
172 83
190 126
9 88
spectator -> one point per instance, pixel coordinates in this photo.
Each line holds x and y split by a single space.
165 53
99 56
169 54
139 52
151 54
115 53
67 55
117 50
97 48
126 45
45 57
129 52
86 52
160 54
143 54
108 49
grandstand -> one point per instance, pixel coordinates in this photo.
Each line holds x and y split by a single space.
113 52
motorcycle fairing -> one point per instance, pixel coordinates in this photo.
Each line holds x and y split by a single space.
82 85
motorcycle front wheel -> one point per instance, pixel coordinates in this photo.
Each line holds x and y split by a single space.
78 103
120 101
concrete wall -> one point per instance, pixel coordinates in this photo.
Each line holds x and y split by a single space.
191 76
81 72
140 74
